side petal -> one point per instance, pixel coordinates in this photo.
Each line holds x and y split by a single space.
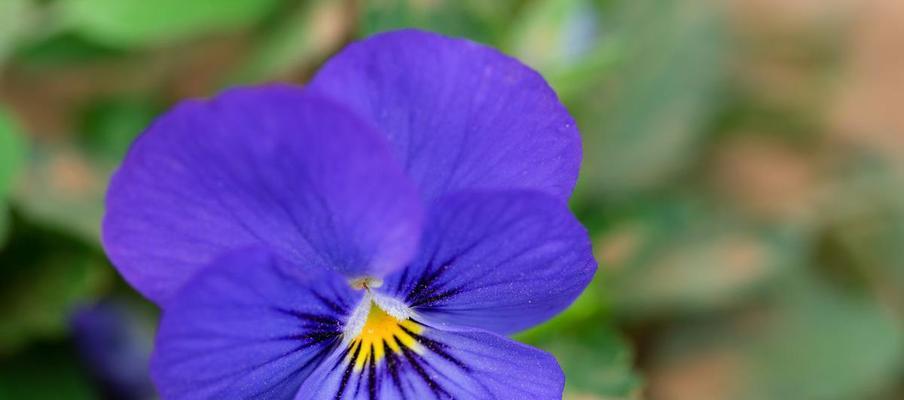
270 165
501 261
460 115
439 364
244 328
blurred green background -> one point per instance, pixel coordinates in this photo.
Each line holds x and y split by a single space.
743 179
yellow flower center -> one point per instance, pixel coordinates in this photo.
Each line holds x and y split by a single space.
382 331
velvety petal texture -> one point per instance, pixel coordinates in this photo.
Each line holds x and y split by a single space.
459 115
440 364
370 236
273 166
497 260
249 328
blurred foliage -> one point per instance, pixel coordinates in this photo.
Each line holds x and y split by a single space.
48 371
796 346
649 118
567 41
800 357
11 155
484 21
304 35
140 23
684 257
743 177
108 127
16 20
44 275
594 355
64 188
11 151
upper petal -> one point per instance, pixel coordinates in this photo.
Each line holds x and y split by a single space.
500 260
245 328
271 165
459 115
437 363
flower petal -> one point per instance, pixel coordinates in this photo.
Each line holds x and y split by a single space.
500 260
460 115
271 165
245 328
439 364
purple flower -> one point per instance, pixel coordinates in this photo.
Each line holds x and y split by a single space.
115 349
371 236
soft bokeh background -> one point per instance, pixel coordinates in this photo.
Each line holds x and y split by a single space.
743 179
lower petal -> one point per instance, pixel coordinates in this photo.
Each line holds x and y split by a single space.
244 329
421 362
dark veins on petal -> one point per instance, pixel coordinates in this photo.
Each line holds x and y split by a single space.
315 329
407 362
427 290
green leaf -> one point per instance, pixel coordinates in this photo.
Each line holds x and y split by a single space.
646 123
16 18
596 360
12 151
43 276
128 23
864 219
62 49
804 340
587 307
826 345
681 256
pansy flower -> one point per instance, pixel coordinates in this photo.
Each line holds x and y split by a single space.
114 347
373 235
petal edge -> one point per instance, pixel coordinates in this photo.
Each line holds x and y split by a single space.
459 115
271 165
